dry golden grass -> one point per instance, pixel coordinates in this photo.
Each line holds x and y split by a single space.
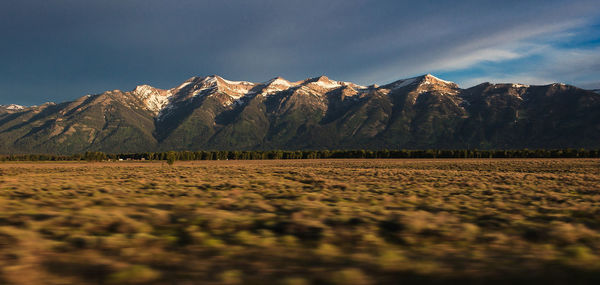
301 222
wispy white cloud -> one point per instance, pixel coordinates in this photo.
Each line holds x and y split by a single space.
495 47
574 66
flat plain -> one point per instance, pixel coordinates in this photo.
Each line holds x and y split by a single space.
301 222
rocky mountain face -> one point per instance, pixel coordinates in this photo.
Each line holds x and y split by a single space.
212 113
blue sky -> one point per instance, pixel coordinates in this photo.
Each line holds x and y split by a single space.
57 50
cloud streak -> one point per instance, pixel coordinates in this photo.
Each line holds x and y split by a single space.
503 45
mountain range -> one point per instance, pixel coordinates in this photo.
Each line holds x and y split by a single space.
212 113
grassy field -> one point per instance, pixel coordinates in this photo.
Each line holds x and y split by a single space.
301 222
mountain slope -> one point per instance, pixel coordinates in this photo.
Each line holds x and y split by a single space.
112 121
317 113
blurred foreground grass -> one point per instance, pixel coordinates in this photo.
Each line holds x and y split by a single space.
301 222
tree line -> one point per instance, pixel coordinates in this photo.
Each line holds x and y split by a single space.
172 156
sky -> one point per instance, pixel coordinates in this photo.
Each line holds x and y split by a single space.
59 50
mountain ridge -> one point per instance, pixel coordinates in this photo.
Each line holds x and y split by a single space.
211 112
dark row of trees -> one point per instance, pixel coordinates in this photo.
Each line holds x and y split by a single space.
172 156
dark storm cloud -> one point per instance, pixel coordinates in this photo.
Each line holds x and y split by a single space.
55 50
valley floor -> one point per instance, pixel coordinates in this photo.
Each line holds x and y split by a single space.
301 222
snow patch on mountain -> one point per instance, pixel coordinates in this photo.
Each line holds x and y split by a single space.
203 90
429 79
237 82
278 81
237 90
423 80
154 99
202 84
328 85
13 107
404 83
275 85
352 85
323 82
210 80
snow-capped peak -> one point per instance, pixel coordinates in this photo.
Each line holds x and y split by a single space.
213 79
275 85
279 82
198 85
426 79
324 82
154 99
144 90
235 82
430 78
235 89
14 107
352 85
